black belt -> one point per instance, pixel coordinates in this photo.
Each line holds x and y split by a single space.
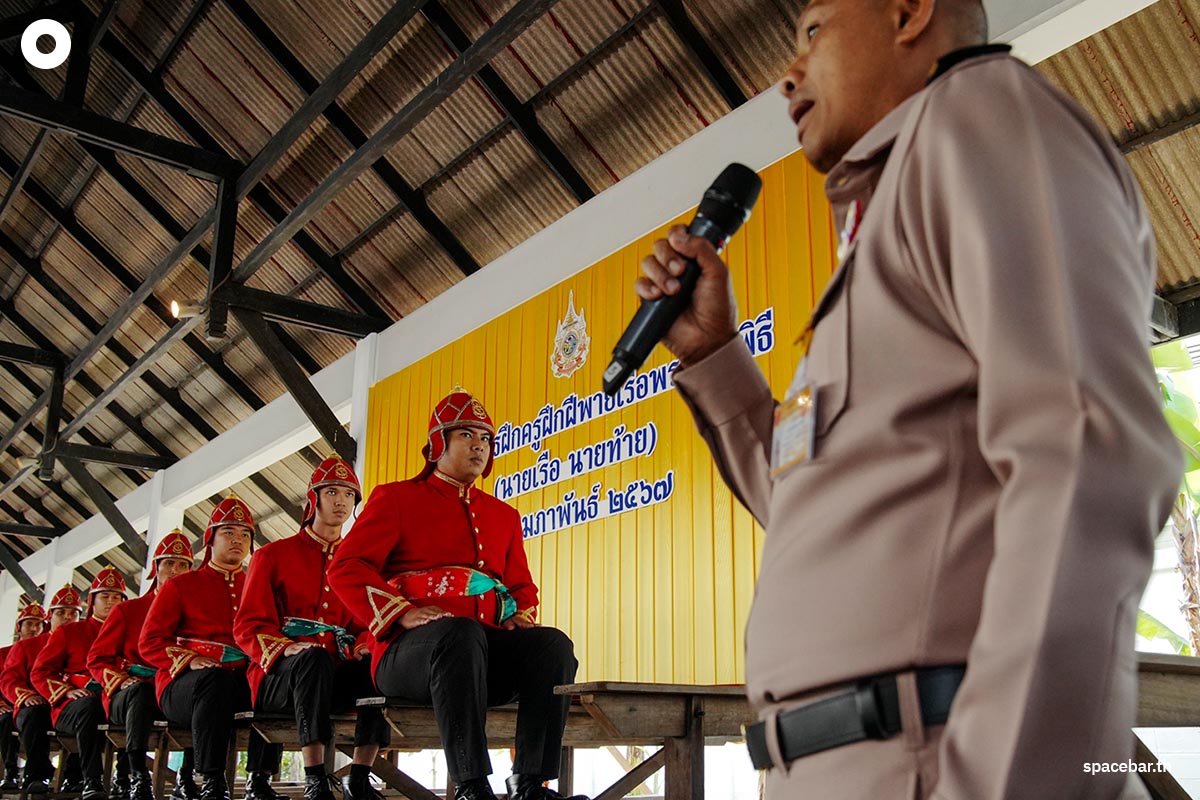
871 710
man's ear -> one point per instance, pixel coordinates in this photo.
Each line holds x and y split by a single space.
912 19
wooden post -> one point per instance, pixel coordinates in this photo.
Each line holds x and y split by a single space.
685 757
107 764
1161 785
566 771
158 776
231 759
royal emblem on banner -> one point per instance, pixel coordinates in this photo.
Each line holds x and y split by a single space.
571 342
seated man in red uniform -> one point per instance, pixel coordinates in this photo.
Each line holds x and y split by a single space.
31 709
126 680
436 569
302 668
201 677
30 623
60 674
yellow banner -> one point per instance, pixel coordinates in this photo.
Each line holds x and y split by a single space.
640 552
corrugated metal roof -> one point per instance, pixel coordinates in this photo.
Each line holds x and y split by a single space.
1138 77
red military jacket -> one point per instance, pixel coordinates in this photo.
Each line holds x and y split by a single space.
62 664
196 605
288 580
116 647
14 679
3 656
422 524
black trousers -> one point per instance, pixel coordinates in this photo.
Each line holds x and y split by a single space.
135 708
461 668
81 718
313 686
206 699
8 748
33 723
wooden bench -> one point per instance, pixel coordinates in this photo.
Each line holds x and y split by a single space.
680 720
1168 697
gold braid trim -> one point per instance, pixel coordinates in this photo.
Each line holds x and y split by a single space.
180 658
113 680
57 689
272 648
386 612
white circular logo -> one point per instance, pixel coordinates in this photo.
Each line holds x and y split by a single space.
62 44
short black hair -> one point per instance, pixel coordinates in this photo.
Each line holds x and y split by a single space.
972 21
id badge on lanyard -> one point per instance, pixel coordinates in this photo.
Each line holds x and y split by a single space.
794 435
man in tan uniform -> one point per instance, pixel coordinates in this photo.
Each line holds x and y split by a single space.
955 555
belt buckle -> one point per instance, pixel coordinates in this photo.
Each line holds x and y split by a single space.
866 701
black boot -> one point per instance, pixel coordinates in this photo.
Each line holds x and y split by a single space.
529 787
120 788
71 785
12 772
316 787
259 788
185 786
359 789
93 789
474 789
214 787
141 786
34 786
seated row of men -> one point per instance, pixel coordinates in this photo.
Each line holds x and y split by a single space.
428 599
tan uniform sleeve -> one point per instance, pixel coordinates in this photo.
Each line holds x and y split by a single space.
1029 235
735 412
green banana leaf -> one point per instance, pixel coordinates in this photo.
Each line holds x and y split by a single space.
1150 628
1171 356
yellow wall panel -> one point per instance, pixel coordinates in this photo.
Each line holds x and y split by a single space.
660 593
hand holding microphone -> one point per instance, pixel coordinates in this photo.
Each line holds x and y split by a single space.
687 296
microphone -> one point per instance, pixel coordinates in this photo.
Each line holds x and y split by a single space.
725 207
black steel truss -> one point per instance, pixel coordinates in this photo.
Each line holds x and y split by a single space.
277 308
341 121
170 395
105 132
34 531
297 383
522 116
480 53
133 544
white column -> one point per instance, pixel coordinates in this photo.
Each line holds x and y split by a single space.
10 604
59 573
163 520
366 360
